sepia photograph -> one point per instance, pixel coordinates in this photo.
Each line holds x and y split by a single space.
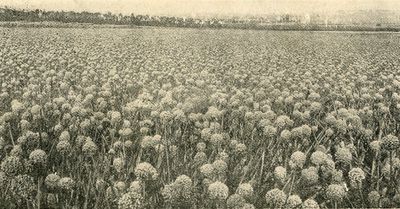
199 104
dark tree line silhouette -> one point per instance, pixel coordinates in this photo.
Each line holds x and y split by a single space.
10 14
285 22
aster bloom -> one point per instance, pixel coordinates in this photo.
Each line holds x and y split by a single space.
223 156
7 117
25 125
396 199
275 198
248 206
207 170
206 134
111 151
146 171
23 186
293 201
131 200
119 164
310 175
220 167
329 132
297 132
240 148
52 200
386 202
3 180
200 158
396 162
280 174
216 139
356 175
17 106
89 147
51 181
144 130
169 194
66 183
100 184
16 151
270 131
115 117
386 170
337 177
118 145
286 134
306 131
311 204
297 160
328 166
235 201
213 112
375 145
85 125
126 132
373 198
218 191
282 121
390 142
150 141
201 146
120 186
318 158
64 147
245 190
180 192
335 192
136 186
343 155
11 166
315 106
166 116
35 109
128 144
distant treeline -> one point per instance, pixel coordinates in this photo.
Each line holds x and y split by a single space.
260 23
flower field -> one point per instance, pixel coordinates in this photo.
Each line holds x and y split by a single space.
185 118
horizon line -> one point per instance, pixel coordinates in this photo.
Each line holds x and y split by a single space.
208 14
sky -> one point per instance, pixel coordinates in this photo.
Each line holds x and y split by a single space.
200 7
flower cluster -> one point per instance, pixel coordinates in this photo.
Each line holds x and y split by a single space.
169 118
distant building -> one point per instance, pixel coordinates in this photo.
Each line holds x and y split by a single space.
306 19
278 18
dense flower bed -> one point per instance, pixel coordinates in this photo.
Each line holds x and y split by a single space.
182 118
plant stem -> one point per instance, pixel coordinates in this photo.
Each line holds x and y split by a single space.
11 135
39 194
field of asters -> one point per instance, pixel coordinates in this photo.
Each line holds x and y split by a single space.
185 118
